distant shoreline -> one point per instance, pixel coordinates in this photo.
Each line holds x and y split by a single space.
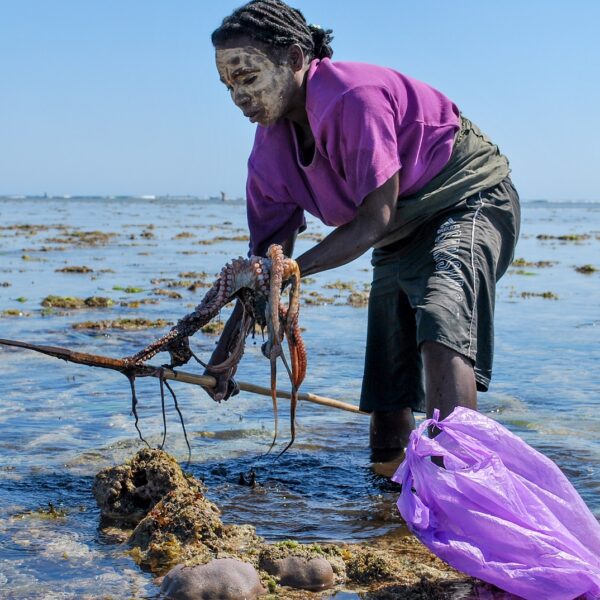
236 200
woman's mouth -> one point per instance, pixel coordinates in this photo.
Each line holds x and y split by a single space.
253 115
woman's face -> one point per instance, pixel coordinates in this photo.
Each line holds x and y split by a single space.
261 86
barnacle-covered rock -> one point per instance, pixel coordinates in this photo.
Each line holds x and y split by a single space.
174 521
126 493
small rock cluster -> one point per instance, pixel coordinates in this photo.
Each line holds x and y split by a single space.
175 532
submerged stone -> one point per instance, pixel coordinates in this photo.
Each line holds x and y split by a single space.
313 574
222 578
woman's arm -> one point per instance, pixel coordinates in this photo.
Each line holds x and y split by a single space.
343 245
347 242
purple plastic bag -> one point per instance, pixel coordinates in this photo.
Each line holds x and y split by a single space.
499 510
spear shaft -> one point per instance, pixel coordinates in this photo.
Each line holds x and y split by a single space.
118 364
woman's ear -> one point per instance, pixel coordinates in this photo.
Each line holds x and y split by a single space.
296 57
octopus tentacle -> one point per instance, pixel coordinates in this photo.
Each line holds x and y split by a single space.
272 349
295 343
253 281
252 273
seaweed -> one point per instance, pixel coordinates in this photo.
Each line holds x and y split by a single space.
358 299
128 289
540 264
586 269
71 302
74 269
545 295
14 312
126 324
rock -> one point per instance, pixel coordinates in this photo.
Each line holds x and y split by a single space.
220 579
184 522
366 565
127 492
172 520
294 571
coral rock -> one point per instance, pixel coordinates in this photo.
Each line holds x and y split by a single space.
184 520
127 492
220 579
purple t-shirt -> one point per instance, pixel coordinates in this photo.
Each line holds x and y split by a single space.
369 122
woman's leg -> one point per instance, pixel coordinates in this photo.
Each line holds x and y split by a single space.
389 432
392 383
449 379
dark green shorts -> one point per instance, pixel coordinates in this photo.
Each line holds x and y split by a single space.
438 285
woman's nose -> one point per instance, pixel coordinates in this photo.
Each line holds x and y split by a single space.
240 98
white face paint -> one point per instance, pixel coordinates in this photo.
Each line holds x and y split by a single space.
260 87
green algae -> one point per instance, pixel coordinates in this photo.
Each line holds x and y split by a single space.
128 289
568 237
82 238
224 238
168 293
73 302
98 302
316 298
366 567
540 264
63 302
138 303
586 269
341 285
126 324
50 513
74 269
545 295
14 312
197 275
358 299
213 328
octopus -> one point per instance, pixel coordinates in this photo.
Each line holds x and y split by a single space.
257 282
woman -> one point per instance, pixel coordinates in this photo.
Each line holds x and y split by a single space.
390 162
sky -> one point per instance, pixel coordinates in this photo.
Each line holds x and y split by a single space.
121 97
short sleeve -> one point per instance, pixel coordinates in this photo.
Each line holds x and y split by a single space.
271 217
361 139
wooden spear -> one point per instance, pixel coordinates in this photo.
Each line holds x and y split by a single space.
118 364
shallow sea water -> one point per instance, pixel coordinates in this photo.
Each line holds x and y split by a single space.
61 423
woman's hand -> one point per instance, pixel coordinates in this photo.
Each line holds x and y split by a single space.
225 388
226 385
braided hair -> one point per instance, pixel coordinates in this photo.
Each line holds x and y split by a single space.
275 23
